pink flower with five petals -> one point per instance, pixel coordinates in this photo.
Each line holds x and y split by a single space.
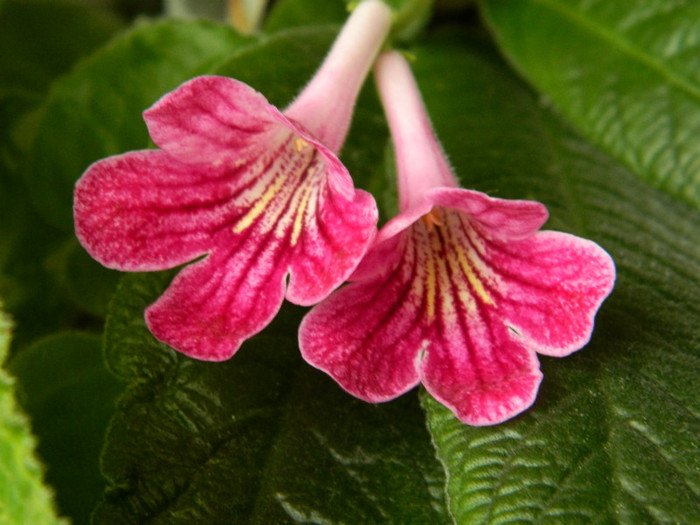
260 193
459 291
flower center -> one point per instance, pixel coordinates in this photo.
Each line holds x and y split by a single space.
300 144
432 218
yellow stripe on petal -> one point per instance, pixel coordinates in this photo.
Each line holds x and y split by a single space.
300 215
300 144
260 204
474 281
449 267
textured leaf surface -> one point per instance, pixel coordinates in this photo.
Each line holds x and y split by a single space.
626 74
98 106
23 496
612 437
65 388
262 438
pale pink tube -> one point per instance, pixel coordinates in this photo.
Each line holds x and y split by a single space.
421 162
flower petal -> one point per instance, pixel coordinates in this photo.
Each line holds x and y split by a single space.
145 211
211 119
479 371
213 305
334 234
502 218
471 362
550 287
546 287
422 320
368 335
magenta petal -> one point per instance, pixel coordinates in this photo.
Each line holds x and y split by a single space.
503 219
550 287
210 119
479 371
336 233
145 211
213 305
368 335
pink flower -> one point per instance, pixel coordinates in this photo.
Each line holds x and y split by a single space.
459 291
259 193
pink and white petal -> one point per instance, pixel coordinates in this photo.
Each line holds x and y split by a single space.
213 305
383 253
368 335
479 371
501 218
214 120
471 361
337 175
335 234
549 288
379 260
145 211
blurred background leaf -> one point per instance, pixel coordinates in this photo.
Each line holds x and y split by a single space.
70 396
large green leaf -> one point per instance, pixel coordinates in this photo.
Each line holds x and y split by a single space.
612 437
83 280
23 496
626 74
95 111
262 438
70 396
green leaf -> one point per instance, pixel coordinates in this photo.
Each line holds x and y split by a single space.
297 13
39 40
85 281
95 111
23 496
70 396
612 437
61 32
410 16
28 281
624 73
262 438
